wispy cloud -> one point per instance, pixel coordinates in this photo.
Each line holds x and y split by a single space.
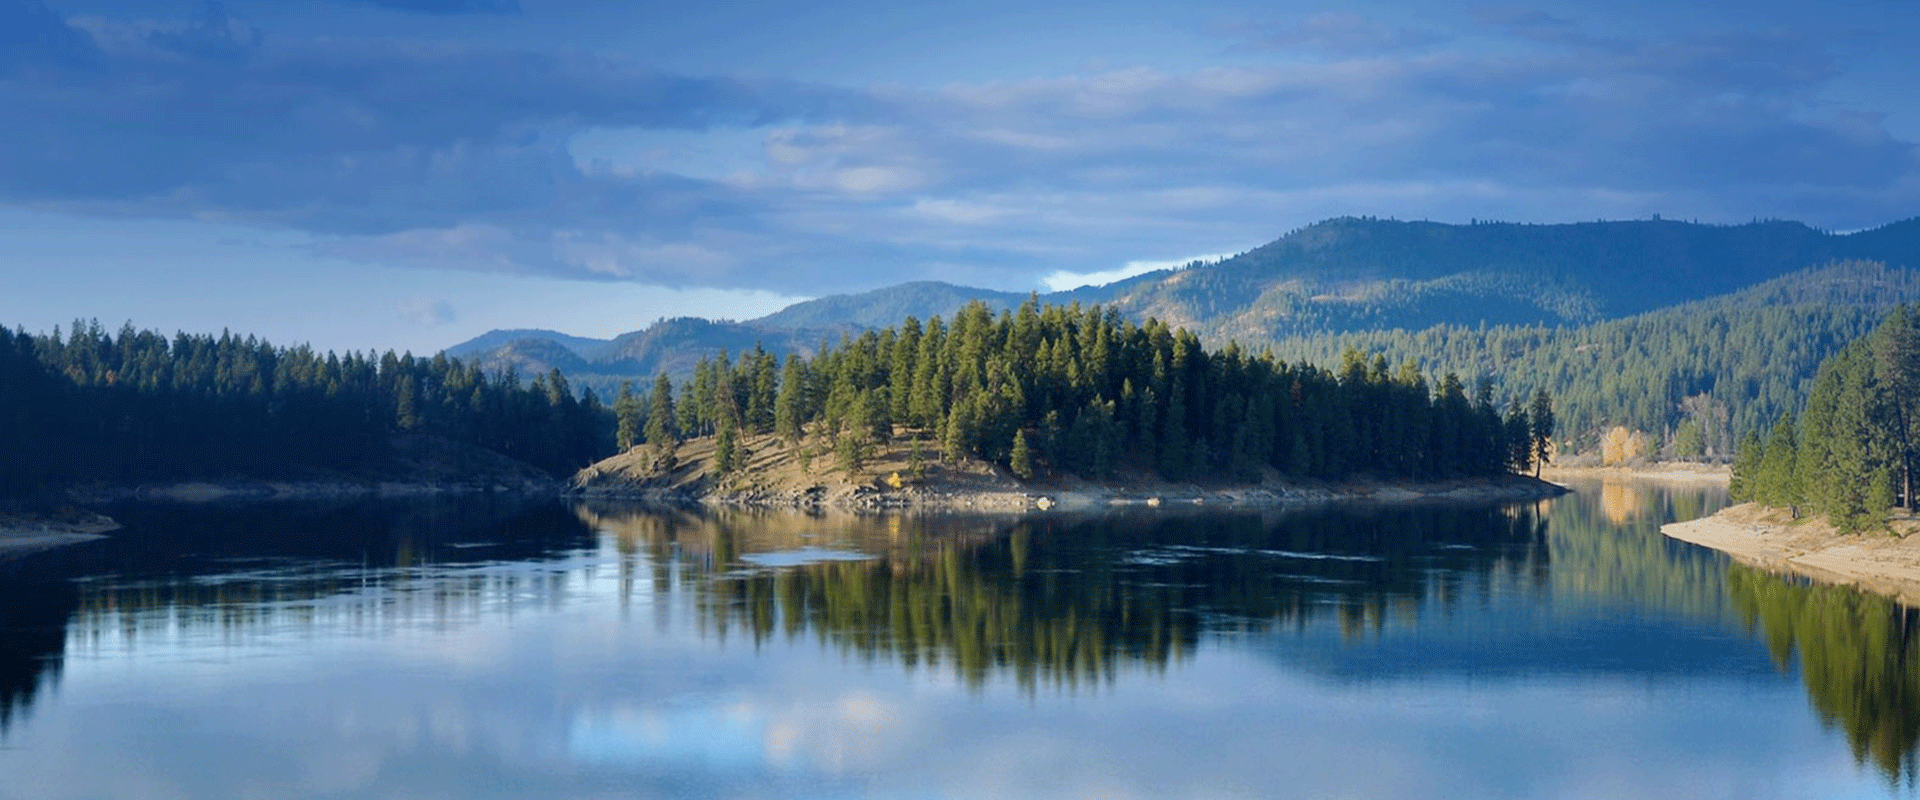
1333 31
426 312
446 6
1061 281
585 166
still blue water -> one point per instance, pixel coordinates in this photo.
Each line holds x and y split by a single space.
1559 649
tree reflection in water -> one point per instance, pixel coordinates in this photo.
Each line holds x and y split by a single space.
1859 657
248 571
33 638
1605 543
1065 601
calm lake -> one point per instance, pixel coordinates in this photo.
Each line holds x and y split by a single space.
468 650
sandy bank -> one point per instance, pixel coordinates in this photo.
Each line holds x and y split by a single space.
1764 537
22 534
1667 472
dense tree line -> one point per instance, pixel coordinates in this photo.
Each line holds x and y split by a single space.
1853 453
91 405
1690 376
1066 389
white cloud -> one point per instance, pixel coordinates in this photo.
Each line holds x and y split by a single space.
613 256
1062 281
574 166
426 312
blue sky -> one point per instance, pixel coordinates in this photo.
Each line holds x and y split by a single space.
409 173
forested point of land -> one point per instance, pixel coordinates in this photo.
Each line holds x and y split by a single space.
1066 389
1851 455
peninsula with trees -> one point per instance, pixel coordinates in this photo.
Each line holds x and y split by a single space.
1055 396
1831 493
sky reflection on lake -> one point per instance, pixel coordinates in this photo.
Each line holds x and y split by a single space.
611 654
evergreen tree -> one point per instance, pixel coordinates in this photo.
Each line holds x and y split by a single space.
407 415
663 429
1688 441
726 454
1896 345
626 412
790 407
762 390
1778 481
1021 458
1540 416
1519 439
917 461
1746 468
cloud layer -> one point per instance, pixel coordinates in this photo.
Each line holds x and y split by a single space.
583 165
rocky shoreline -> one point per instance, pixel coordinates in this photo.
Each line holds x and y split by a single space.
1070 496
979 489
772 473
21 534
242 490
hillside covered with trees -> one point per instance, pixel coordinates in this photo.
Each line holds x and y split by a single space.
1082 391
1851 456
1657 337
1682 381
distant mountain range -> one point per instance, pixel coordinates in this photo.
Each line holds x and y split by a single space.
1340 276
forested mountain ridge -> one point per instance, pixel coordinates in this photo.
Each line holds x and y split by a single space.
672 345
1724 364
883 307
1345 275
581 346
1597 312
1355 274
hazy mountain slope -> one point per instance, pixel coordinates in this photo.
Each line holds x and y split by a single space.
672 346
494 339
881 308
1371 282
675 345
528 356
1358 274
1353 274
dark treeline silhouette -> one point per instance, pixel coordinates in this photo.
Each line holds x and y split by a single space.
137 404
1852 455
1066 389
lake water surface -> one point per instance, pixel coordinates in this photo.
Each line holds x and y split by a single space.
1559 649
